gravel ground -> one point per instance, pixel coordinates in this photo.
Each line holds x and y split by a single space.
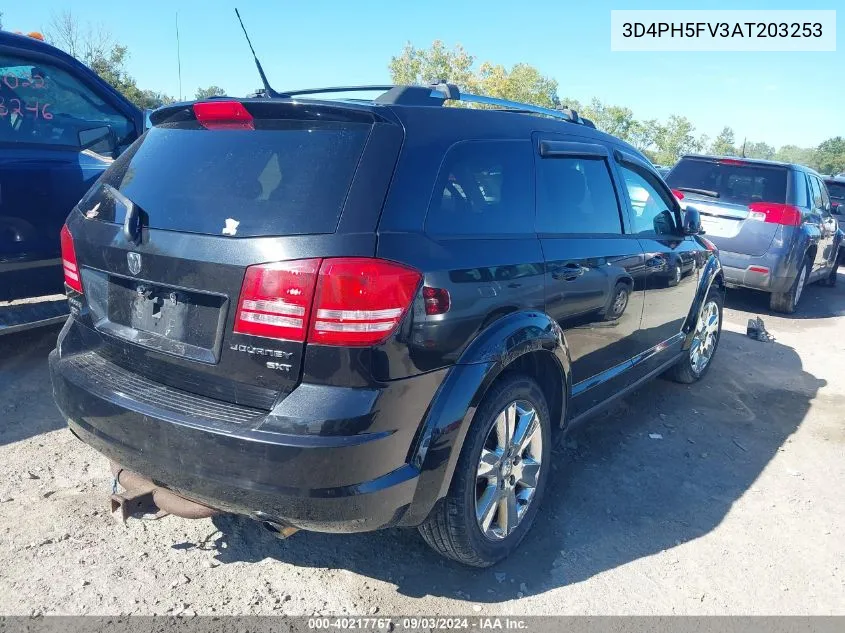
736 508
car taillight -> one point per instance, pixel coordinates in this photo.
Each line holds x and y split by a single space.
349 301
775 213
678 194
710 246
276 299
437 300
69 263
223 115
360 301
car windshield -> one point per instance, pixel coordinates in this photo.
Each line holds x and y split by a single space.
734 181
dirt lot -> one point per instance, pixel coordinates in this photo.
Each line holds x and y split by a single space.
737 509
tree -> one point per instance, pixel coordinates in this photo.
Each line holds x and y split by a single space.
794 154
643 134
830 156
612 119
522 82
1 20
423 66
211 91
674 139
759 149
94 46
724 143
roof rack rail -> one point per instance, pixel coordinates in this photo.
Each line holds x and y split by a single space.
439 92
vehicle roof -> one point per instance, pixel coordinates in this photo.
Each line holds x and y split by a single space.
753 161
33 44
836 179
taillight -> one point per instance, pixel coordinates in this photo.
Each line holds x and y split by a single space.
69 263
710 246
223 115
437 300
731 161
360 301
276 299
349 301
775 213
678 194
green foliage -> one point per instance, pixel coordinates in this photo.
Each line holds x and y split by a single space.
211 91
723 145
662 142
830 156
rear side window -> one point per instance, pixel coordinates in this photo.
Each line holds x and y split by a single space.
283 178
576 195
730 181
484 188
816 193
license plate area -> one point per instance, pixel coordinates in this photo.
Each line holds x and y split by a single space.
168 319
720 227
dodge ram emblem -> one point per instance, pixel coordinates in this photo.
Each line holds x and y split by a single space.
134 261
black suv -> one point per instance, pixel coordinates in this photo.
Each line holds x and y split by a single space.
347 315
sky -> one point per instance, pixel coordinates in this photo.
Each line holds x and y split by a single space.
780 98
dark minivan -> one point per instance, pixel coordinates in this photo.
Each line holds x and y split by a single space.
345 315
61 126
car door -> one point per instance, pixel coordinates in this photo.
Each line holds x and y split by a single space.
593 266
826 224
59 131
673 260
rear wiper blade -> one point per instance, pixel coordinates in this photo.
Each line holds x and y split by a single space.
132 218
703 192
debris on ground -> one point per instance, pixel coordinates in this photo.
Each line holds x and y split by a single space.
655 436
757 330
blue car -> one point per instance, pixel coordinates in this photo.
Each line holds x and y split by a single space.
61 126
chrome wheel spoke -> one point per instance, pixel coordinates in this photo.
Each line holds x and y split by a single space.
528 472
526 430
509 513
488 466
487 506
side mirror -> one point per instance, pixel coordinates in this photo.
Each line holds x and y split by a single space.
98 139
692 222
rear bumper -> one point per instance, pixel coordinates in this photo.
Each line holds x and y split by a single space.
772 272
350 475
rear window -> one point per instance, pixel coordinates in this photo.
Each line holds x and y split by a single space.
287 177
738 183
484 188
836 190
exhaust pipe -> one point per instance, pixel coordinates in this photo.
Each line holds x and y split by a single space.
278 530
142 496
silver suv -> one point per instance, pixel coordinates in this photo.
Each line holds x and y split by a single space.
771 222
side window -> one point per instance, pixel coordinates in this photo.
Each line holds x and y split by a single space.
484 188
42 104
653 210
576 195
815 194
825 198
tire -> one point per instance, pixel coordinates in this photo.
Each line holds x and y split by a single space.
688 370
675 276
452 528
618 301
786 302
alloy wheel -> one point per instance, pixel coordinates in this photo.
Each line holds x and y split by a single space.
705 337
508 470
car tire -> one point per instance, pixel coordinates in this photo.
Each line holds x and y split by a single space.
675 276
786 302
618 301
453 529
696 361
